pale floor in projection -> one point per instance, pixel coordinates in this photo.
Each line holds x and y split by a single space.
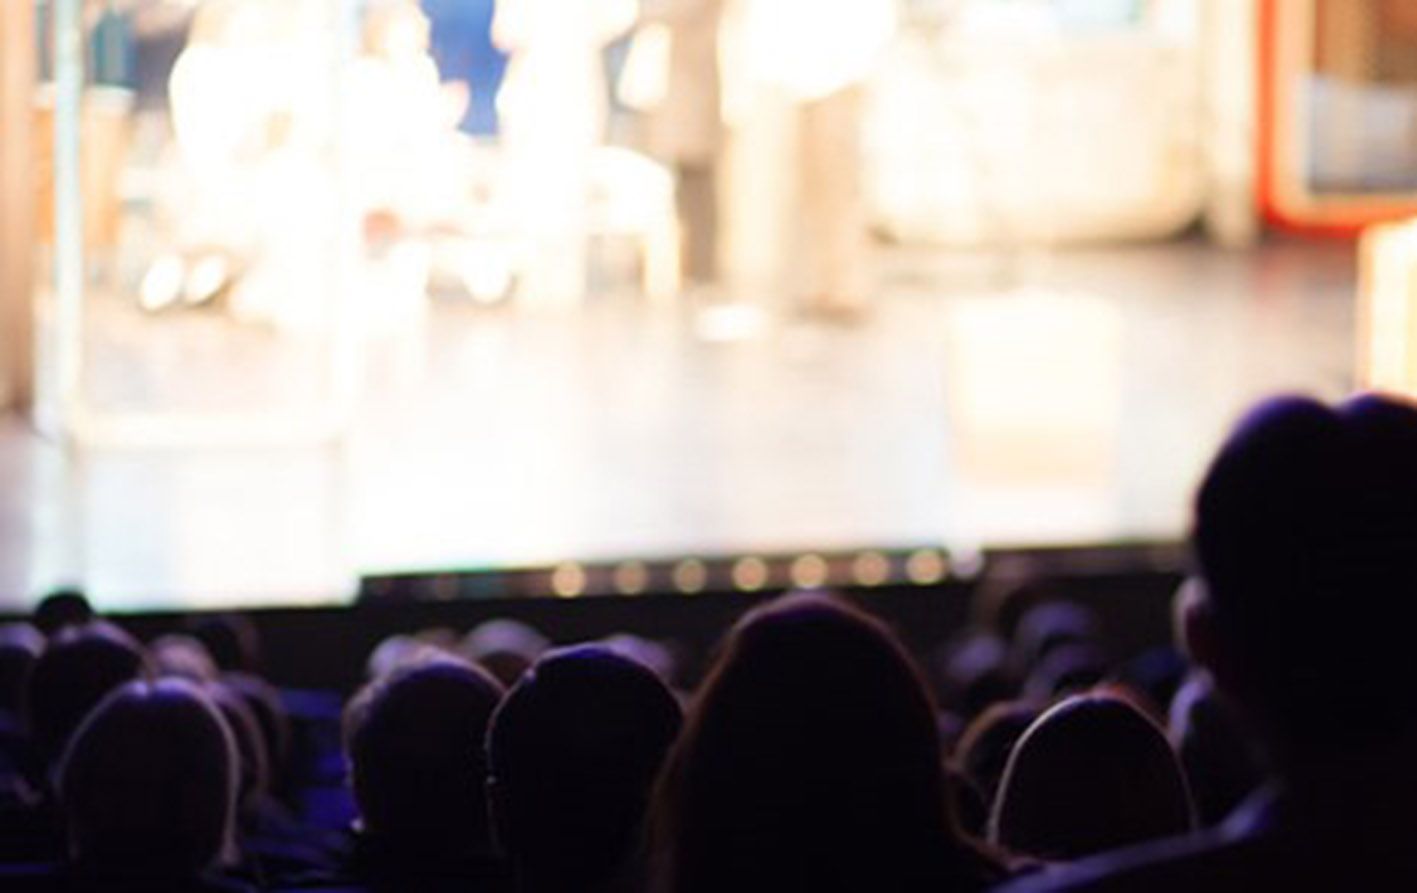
1062 399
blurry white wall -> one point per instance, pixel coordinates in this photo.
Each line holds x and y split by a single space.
1029 122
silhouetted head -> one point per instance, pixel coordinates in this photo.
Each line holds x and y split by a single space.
987 742
1066 669
1219 759
1050 625
20 647
264 702
149 782
178 654
253 761
1153 677
658 656
974 671
573 751
80 666
810 760
417 756
504 647
1304 531
1091 774
231 639
61 608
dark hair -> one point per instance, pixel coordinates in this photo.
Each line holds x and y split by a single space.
1091 774
1048 626
1304 530
20 647
254 762
417 761
80 666
810 760
149 781
1219 760
231 639
504 647
974 671
62 608
984 748
181 655
264 702
573 751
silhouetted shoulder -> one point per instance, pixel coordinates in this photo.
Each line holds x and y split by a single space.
1217 865
60 878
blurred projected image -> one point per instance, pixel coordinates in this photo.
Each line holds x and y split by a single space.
546 282
304 189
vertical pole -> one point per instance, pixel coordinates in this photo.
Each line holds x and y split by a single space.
17 205
66 322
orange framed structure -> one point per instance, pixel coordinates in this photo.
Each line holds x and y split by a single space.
1287 32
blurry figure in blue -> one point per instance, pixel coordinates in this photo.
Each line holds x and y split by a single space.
463 49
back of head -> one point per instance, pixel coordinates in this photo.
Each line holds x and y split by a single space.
810 760
252 759
1049 625
1218 758
149 782
1304 530
573 751
416 748
264 702
181 655
80 666
989 740
1091 774
62 608
974 672
1066 670
232 640
20 647
506 648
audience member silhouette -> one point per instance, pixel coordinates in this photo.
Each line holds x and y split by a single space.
573 750
974 671
252 763
504 647
271 844
1067 669
1152 679
77 669
1048 626
20 646
416 740
264 702
986 744
232 640
62 608
1091 774
1218 758
81 665
810 761
20 767
149 785
181 655
1304 532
